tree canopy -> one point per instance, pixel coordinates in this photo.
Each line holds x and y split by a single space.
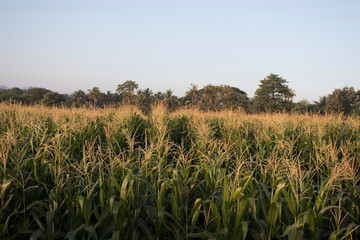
273 95
126 91
342 100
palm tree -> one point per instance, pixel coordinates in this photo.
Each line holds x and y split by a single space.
79 98
95 95
159 97
208 101
170 100
193 95
109 98
144 100
321 104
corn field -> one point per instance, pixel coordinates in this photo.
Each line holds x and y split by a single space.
117 174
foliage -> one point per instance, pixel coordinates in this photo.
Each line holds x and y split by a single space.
53 99
320 105
216 98
117 174
79 98
273 95
13 94
95 96
126 91
342 100
144 100
170 101
192 96
34 95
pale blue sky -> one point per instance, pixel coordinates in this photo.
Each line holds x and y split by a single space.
70 45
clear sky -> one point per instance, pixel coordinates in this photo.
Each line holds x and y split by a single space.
69 45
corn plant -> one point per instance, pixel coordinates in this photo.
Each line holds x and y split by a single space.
77 173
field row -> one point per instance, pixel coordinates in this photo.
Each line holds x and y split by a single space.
116 174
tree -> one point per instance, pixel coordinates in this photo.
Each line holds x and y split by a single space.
302 107
144 100
273 95
209 99
95 95
320 105
232 97
34 95
159 97
13 94
193 96
170 100
53 98
126 91
215 98
342 100
110 98
79 98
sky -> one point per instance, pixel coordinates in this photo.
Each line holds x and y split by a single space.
69 45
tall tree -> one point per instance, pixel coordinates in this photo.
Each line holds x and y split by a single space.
144 100
302 106
126 91
210 98
34 95
13 94
95 96
159 97
320 105
53 99
342 100
216 98
232 97
192 96
79 98
110 98
273 95
170 100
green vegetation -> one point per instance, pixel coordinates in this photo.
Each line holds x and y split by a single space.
273 95
117 174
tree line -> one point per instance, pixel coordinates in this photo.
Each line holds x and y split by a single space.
272 95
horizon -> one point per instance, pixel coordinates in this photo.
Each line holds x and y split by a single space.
68 46
179 96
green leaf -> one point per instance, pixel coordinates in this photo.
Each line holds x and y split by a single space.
36 234
205 234
252 202
115 235
194 215
271 219
161 195
145 228
279 188
245 228
71 235
351 228
248 181
292 228
241 209
216 214
236 194
49 225
124 184
225 204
